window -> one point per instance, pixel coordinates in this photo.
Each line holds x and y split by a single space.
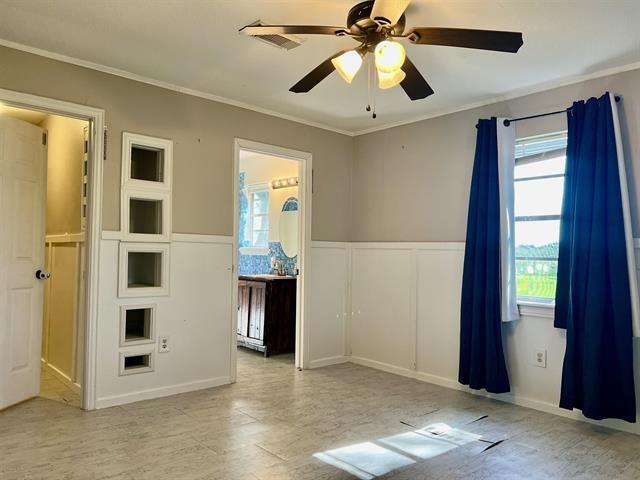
539 184
255 238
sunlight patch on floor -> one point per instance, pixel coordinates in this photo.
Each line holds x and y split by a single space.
368 460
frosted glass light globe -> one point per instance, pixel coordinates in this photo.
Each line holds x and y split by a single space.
390 56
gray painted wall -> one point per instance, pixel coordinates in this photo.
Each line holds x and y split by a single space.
202 132
411 183
408 183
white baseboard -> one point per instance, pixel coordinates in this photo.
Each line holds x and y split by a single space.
326 361
504 397
60 376
151 393
385 367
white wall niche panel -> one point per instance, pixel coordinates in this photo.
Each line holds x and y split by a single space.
143 270
137 324
147 162
145 216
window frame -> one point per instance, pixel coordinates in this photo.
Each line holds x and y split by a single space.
529 306
251 190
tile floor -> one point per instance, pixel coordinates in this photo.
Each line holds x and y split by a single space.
53 389
271 423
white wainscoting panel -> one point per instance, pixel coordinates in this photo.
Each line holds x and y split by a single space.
382 296
195 316
63 322
439 284
328 302
389 323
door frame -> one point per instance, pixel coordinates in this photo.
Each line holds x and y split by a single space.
96 118
305 188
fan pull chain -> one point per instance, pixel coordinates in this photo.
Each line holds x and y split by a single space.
375 82
368 109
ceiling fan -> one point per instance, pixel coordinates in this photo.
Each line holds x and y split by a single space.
376 24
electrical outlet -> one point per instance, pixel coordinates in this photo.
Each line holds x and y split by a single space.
541 358
163 345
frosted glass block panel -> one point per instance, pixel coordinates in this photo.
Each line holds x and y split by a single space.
261 238
261 222
260 203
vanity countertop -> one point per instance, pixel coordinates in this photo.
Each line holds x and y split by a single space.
266 277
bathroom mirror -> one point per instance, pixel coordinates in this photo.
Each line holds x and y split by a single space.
289 227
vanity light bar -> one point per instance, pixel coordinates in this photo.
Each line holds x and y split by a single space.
284 182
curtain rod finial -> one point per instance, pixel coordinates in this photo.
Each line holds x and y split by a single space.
506 122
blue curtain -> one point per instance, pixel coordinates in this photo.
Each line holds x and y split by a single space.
593 300
482 363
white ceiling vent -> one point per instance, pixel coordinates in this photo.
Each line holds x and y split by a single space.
286 42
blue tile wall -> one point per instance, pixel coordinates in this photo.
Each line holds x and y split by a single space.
261 264
244 213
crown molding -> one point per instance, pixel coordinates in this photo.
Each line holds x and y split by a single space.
522 92
541 87
168 86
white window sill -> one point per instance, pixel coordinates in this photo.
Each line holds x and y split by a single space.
535 309
254 250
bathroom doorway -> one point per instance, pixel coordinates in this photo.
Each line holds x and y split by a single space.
270 241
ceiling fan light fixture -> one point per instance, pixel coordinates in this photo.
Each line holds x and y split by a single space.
389 80
390 56
348 64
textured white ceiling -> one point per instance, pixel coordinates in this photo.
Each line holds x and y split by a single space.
194 44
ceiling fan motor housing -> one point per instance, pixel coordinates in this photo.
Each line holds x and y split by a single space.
360 24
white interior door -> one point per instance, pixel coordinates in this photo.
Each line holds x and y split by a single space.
22 214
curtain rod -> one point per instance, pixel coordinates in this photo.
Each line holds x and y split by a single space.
508 121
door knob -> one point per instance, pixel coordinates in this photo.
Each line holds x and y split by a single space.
42 275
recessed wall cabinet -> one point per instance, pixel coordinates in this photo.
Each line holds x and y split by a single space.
146 162
137 324
143 270
146 215
136 362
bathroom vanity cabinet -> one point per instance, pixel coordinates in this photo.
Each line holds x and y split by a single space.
267 313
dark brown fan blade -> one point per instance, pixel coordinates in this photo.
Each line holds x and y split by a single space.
462 37
414 84
388 12
316 75
292 30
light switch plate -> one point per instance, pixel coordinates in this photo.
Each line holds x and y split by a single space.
163 344
541 358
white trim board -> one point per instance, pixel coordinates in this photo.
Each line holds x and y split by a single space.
550 85
521 92
325 362
168 86
150 393
115 235
65 238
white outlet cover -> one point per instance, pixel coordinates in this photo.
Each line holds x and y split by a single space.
164 344
541 358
